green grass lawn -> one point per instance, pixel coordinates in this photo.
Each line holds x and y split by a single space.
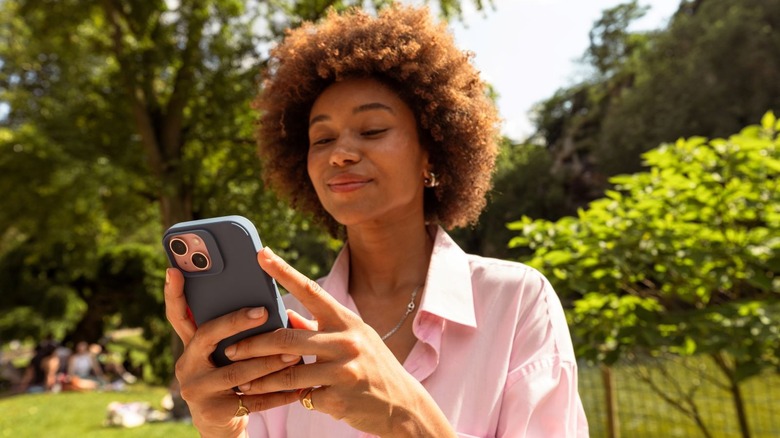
72 414
644 414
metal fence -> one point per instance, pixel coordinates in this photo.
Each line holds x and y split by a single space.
667 398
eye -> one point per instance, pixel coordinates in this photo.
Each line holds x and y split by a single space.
322 141
373 132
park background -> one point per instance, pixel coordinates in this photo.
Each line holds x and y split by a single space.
645 187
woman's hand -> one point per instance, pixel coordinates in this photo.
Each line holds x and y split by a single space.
207 388
358 378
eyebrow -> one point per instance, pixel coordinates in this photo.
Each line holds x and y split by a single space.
359 109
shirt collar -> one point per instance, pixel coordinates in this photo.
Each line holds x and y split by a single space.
448 293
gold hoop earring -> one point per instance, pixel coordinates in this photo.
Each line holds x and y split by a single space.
430 181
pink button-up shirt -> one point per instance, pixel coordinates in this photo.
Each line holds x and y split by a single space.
493 349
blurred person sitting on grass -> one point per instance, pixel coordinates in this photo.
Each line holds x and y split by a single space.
84 371
40 375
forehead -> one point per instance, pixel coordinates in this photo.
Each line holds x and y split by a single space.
351 93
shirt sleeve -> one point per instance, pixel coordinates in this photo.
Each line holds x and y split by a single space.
540 397
542 401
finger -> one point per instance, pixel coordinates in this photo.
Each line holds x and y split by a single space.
299 322
212 332
286 341
222 409
239 374
176 305
323 400
321 305
299 376
262 402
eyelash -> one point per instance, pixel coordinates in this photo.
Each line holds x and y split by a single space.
368 133
373 132
322 141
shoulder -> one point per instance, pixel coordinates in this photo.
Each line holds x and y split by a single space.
494 276
506 270
512 291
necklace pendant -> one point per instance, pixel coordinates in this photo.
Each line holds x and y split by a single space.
409 309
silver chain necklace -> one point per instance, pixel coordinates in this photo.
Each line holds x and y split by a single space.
409 309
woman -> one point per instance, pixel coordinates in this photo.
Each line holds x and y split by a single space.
380 128
84 371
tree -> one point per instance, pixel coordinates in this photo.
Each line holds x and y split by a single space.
650 87
722 54
522 185
124 118
681 258
569 123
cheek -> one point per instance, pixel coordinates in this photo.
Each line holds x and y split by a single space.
311 164
313 169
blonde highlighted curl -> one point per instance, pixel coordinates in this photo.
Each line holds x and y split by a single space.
417 58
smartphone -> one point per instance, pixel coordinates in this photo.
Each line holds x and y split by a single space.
218 258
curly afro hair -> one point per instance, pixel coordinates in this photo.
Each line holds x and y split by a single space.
403 48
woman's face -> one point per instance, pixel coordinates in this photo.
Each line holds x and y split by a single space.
365 160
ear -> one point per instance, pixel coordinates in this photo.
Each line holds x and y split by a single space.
426 164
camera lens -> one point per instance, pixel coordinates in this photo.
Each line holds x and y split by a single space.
178 247
200 261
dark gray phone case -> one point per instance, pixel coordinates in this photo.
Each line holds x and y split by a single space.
234 281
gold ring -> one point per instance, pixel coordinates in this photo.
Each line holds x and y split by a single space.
242 410
306 399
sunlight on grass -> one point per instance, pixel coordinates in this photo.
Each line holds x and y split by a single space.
72 414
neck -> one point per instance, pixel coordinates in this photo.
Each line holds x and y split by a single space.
386 261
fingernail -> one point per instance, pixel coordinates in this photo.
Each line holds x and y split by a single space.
230 351
256 313
245 387
290 358
269 253
167 277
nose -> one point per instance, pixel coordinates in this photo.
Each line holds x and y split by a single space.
344 153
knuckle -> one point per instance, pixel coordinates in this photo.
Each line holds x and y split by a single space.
230 375
312 286
352 372
289 377
236 318
285 338
285 269
169 315
257 404
179 369
267 365
352 344
186 392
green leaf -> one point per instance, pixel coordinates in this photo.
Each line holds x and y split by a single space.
768 121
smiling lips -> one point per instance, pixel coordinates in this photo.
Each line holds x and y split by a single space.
347 183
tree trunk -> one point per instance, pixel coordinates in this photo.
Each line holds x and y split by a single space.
736 394
610 401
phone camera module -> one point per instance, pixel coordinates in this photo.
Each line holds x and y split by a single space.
178 247
200 261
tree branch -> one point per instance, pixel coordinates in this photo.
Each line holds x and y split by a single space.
138 99
183 83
